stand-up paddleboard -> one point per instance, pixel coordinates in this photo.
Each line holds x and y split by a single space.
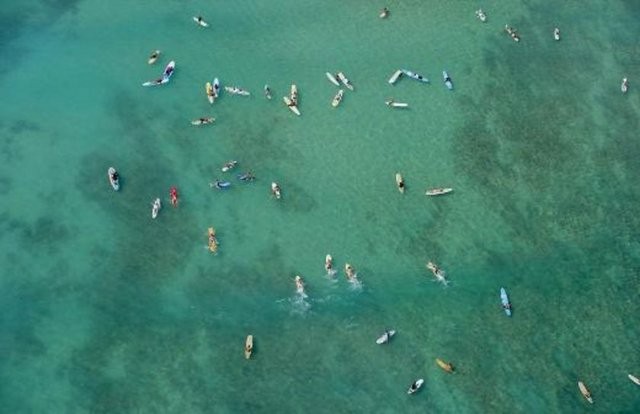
513 33
385 337
338 98
168 71
213 241
229 165
438 191
447 80
624 87
414 75
332 78
275 190
248 347
400 182
350 271
446 366
234 90
396 75
200 21
267 92
506 305
299 285
634 379
293 94
166 75
394 104
556 34
114 178
384 13
153 57
437 273
209 91
291 105
415 386
203 121
216 88
173 196
220 185
328 263
342 78
156 205
585 392
248 176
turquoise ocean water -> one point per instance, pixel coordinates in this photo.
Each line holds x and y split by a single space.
103 309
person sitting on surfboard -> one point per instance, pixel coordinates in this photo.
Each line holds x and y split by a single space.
173 194
115 176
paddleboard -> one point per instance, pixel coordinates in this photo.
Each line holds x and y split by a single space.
400 182
447 80
213 241
328 263
248 347
332 79
229 165
342 78
221 185
156 206
234 90
438 191
385 337
115 183
418 385
200 21
414 75
394 104
291 105
166 75
447 367
338 98
209 91
299 285
216 88
396 75
173 196
275 189
153 57
634 379
585 392
203 121
506 305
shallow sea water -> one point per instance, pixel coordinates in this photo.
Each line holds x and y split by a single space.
105 310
